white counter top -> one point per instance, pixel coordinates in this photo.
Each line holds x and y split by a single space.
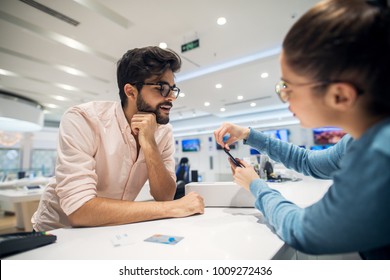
25 182
220 233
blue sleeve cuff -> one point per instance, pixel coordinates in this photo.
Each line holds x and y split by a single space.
257 186
256 139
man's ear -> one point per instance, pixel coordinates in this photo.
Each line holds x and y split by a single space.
341 96
130 91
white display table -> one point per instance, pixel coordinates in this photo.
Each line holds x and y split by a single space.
220 233
25 204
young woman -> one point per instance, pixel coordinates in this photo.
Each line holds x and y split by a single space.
335 68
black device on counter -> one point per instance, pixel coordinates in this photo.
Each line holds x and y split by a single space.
232 158
22 241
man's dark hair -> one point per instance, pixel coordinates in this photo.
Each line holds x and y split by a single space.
139 64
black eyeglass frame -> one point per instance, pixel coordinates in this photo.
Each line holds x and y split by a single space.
163 91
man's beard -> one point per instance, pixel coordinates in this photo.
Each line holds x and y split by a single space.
142 106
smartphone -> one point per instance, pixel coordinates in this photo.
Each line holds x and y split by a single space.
232 158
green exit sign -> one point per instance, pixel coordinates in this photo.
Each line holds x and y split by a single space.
190 45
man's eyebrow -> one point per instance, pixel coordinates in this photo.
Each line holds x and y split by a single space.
165 82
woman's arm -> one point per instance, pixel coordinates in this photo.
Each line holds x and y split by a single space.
318 164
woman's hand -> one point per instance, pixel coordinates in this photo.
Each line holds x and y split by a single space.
235 133
243 176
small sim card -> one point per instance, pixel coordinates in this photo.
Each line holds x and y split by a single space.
121 240
164 239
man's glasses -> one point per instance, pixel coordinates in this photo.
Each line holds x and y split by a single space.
164 88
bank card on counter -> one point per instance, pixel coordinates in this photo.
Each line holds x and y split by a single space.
164 239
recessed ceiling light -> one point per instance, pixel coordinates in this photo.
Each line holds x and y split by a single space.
7 73
240 97
163 45
53 106
66 87
221 21
182 94
60 98
71 70
253 104
222 109
264 75
218 86
207 104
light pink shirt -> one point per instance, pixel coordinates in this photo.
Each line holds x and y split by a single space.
97 157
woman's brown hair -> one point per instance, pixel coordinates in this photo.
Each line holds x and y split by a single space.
346 41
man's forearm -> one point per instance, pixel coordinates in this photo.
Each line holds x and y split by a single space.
162 185
104 211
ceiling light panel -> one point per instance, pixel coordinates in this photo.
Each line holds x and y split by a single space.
51 12
39 51
105 12
56 37
217 46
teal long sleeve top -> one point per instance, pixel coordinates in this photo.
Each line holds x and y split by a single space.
353 215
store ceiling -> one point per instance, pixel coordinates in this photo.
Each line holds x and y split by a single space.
40 53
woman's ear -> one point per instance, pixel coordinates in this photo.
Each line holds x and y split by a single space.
341 96
130 91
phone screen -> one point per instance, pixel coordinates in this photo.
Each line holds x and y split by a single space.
232 158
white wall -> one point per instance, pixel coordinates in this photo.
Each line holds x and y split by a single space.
45 139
